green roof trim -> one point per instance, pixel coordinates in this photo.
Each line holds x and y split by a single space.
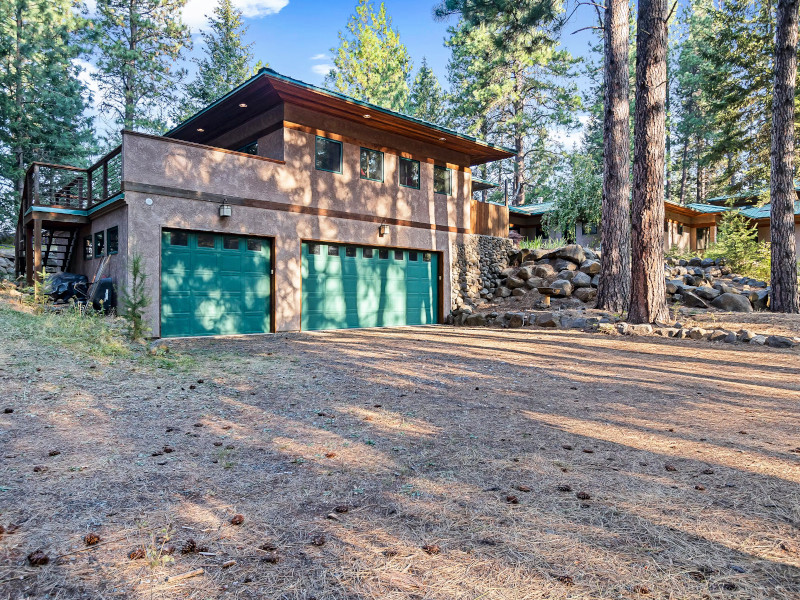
374 107
76 211
762 212
706 208
532 209
485 182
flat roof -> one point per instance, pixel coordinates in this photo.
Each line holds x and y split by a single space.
268 88
532 209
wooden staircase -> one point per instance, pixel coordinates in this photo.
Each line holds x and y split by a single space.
58 246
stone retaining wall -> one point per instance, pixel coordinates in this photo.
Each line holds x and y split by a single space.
6 263
478 260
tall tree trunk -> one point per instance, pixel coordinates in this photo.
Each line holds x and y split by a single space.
648 292
668 124
19 103
782 192
685 168
615 225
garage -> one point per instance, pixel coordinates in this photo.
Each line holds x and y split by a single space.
347 286
213 284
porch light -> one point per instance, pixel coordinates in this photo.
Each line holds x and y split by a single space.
441 139
225 209
200 130
382 229
366 116
243 105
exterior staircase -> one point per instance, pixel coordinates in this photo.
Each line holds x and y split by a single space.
58 246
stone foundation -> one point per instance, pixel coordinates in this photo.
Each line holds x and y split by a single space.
476 267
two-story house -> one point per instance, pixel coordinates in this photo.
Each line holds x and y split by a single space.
280 207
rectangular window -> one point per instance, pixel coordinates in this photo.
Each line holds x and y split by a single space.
680 229
205 240
99 244
254 245
371 164
313 248
399 255
88 249
112 240
328 155
350 251
333 250
426 256
230 243
412 256
367 252
409 173
178 238
251 148
589 229
383 253
442 180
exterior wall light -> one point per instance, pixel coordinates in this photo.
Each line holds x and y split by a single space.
225 209
382 229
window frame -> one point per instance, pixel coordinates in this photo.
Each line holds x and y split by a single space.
449 191
109 251
99 235
88 249
383 167
341 154
247 147
419 173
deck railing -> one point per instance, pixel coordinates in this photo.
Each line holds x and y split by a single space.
61 186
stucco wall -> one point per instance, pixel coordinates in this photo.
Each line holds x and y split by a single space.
763 235
117 264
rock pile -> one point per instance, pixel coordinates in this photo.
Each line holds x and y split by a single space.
6 263
696 283
475 263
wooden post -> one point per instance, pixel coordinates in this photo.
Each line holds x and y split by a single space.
35 186
29 255
37 250
693 239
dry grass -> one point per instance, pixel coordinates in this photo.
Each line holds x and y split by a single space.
422 435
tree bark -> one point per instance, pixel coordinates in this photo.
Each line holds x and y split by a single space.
684 167
782 192
648 292
615 233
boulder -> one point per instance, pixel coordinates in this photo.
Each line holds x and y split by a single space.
780 341
720 335
562 264
595 280
580 279
538 254
476 320
759 340
515 320
572 252
517 292
745 335
696 333
695 262
732 303
514 282
590 267
723 288
672 287
502 292
640 329
573 323
547 320
564 286
706 293
591 254
535 282
566 275
707 262
585 294
761 300
692 301
545 271
525 273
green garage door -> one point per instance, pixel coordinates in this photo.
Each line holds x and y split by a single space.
353 286
214 284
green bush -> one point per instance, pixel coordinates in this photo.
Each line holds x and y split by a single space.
737 242
541 242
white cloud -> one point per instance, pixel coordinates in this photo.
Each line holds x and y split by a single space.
86 77
321 69
319 57
195 11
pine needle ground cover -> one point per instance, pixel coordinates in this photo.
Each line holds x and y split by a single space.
403 463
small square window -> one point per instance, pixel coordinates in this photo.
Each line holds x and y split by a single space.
412 256
680 229
367 252
383 253
350 251
442 180
328 155
371 164
112 240
99 244
409 173
399 255
205 240
230 243
88 249
313 248
178 238
333 250
589 229
254 245
426 256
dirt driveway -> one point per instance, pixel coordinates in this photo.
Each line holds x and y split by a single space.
405 463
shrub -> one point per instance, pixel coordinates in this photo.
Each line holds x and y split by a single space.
135 300
737 242
540 242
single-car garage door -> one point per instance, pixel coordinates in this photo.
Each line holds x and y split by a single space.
214 284
354 286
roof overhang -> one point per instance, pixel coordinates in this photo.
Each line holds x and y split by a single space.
268 89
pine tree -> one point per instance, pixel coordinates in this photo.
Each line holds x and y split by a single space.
782 194
648 294
226 61
138 43
371 63
42 101
426 101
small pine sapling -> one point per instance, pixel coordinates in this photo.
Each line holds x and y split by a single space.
136 300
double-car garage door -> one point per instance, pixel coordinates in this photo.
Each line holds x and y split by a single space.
213 284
